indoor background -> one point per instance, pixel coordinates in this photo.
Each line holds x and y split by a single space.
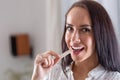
43 21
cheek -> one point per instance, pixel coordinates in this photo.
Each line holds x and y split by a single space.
90 43
67 39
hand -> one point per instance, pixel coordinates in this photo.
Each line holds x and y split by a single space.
43 64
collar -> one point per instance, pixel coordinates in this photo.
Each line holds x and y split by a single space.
97 71
94 73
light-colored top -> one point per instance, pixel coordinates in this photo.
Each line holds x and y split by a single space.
98 73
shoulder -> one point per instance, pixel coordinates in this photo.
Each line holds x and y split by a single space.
116 75
113 75
100 73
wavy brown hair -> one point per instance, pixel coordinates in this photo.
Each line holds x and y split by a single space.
105 39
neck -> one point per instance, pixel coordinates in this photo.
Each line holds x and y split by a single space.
83 68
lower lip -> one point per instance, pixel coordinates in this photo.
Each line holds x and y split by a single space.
77 52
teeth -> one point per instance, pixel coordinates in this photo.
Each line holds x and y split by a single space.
77 47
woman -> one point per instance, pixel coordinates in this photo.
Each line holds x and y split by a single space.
90 37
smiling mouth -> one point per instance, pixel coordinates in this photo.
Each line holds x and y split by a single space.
77 50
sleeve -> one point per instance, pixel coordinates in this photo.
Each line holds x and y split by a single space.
54 73
117 76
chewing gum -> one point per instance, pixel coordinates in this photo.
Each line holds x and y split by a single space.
65 54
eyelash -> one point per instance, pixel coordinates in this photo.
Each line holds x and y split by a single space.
85 30
69 28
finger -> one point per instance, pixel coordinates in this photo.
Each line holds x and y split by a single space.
50 60
56 60
38 59
54 54
44 63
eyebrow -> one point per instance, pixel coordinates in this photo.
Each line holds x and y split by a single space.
68 24
84 25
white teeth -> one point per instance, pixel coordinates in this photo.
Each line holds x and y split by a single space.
77 47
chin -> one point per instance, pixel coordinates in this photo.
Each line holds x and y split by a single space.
79 58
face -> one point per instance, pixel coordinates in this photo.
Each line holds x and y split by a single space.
79 35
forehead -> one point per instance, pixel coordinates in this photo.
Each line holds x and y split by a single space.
78 15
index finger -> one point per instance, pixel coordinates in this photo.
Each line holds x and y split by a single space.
52 53
55 55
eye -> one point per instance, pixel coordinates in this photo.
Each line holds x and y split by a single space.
69 28
85 30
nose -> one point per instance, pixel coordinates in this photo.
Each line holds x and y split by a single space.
75 37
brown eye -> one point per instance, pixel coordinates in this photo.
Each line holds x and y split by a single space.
69 28
85 30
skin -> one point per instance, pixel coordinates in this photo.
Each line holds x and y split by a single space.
79 34
43 64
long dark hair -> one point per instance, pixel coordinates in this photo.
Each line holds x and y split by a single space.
105 38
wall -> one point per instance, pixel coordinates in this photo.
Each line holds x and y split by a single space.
53 25
21 16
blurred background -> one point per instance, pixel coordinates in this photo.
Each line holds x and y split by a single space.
43 22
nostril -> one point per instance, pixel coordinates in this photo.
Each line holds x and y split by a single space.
75 44
77 40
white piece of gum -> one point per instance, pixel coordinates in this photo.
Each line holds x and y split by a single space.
65 53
